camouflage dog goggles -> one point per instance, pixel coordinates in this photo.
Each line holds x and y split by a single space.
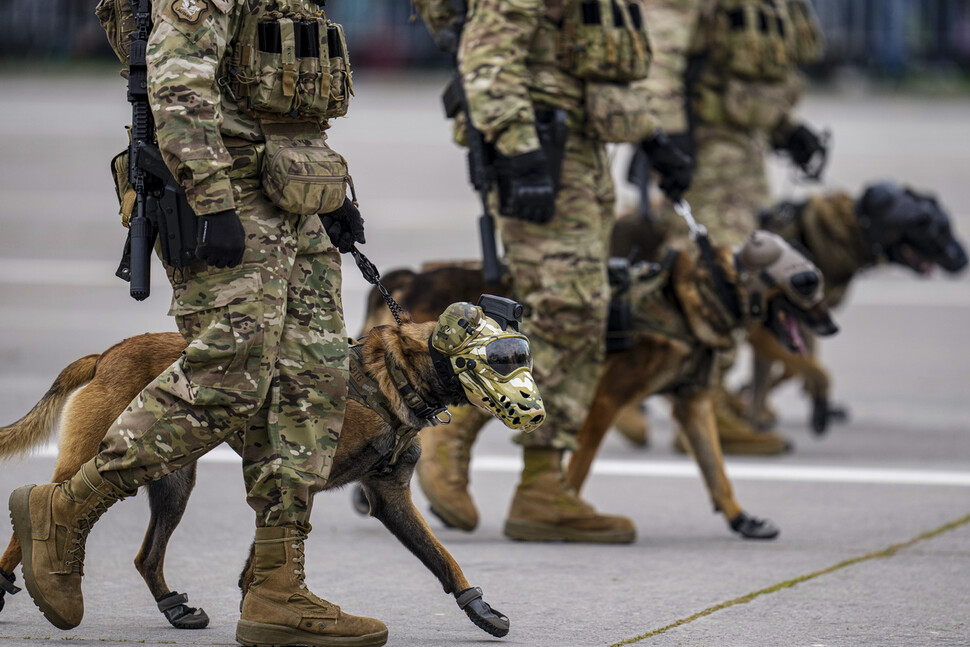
493 364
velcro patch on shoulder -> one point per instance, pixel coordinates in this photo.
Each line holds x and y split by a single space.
190 12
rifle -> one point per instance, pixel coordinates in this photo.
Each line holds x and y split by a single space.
141 232
481 172
161 207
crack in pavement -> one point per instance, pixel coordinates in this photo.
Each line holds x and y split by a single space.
887 552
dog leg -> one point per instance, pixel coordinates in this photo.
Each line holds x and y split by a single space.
167 499
390 502
11 557
695 414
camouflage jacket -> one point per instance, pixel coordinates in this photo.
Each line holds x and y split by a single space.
188 42
507 59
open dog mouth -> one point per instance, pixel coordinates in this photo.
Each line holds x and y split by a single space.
785 321
915 261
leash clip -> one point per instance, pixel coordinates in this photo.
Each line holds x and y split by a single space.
682 208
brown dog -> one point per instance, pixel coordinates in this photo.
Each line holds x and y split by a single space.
370 450
677 329
844 236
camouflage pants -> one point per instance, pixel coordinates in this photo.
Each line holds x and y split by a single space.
730 186
559 274
265 369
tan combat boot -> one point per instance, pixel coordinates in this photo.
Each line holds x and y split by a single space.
52 522
443 468
546 508
631 421
278 609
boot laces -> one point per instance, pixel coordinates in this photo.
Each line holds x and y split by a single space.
300 561
82 527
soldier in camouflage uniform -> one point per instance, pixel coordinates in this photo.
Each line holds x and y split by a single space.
515 59
725 79
266 365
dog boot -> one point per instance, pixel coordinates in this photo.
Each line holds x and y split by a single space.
279 609
546 508
443 468
52 522
631 421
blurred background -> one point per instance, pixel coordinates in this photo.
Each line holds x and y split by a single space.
888 38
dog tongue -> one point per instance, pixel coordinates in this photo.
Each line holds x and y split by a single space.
791 325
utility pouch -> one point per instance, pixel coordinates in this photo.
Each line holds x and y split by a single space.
605 40
118 21
301 174
618 113
746 105
809 43
123 187
754 39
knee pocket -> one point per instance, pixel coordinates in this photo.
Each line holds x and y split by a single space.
225 323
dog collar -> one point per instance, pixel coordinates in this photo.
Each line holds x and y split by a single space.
412 399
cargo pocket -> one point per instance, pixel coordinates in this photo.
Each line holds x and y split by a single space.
225 322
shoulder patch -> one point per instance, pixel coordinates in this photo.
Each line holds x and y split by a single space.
190 11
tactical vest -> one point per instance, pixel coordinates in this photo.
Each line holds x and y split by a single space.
604 40
753 39
287 59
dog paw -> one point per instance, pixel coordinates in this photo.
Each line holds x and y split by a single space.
485 617
754 528
824 414
181 616
7 585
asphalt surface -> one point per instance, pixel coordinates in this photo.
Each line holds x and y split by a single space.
875 543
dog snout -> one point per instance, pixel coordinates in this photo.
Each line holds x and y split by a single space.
954 258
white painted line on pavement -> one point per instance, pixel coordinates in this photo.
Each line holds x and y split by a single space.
686 469
752 472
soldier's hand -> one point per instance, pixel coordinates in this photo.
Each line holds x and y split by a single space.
221 240
676 168
802 145
344 225
525 187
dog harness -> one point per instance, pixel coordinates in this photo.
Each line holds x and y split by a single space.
364 389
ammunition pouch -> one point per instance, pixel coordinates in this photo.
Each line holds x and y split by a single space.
604 40
295 67
301 174
553 133
753 39
618 113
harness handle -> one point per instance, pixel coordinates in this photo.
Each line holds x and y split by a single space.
369 271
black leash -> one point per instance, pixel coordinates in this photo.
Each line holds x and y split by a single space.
372 276
698 234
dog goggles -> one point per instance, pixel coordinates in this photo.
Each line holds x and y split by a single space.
493 365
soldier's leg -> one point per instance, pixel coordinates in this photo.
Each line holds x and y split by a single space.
287 457
229 318
559 274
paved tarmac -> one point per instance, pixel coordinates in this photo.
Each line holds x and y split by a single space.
875 543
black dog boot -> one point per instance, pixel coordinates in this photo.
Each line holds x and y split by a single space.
176 610
7 585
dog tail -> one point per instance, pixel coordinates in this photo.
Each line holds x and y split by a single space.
39 425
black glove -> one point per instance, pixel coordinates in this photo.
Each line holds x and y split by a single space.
221 240
344 226
675 167
525 187
802 145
